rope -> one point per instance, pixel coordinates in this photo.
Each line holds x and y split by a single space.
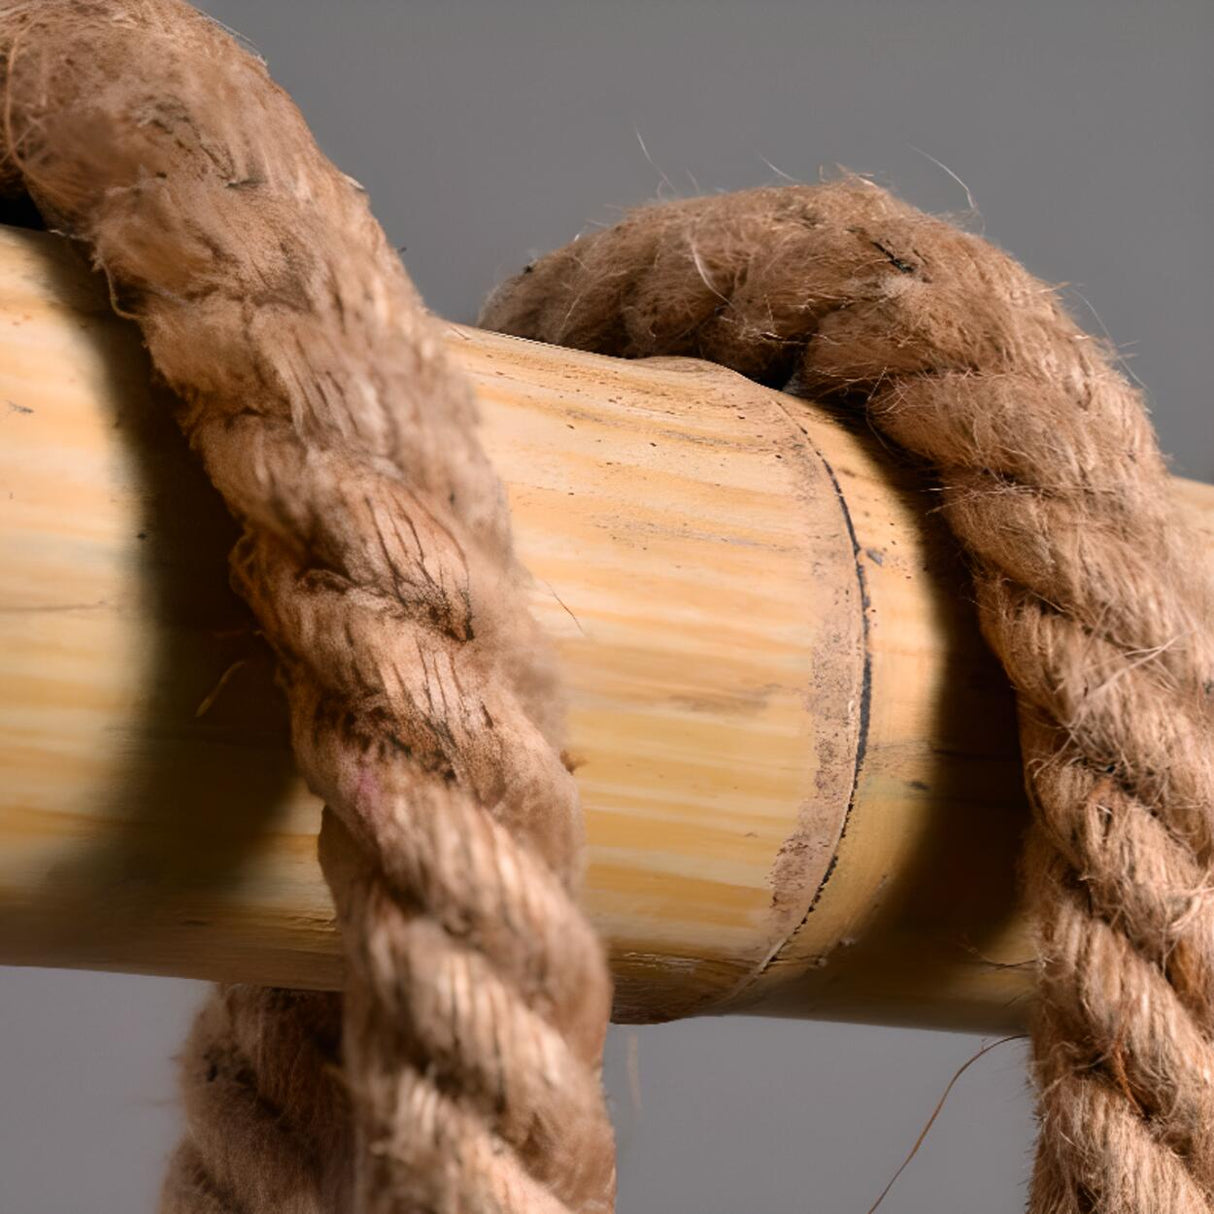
1051 479
376 555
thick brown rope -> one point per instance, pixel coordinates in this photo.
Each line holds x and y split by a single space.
262 1086
1051 479
376 555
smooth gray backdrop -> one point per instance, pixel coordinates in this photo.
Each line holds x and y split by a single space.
486 132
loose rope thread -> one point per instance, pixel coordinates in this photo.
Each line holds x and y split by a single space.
1089 590
376 555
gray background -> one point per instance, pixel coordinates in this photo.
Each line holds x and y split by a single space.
486 132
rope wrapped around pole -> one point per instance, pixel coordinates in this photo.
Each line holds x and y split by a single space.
1090 590
460 1071
376 554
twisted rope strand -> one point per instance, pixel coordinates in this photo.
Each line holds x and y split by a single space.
376 554
1051 479
261 1080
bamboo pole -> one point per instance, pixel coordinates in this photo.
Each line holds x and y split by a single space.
797 760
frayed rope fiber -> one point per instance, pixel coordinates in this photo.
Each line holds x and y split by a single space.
460 1071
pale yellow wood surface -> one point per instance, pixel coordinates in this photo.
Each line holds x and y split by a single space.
747 599
690 560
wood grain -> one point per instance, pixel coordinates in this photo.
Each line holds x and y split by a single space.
796 758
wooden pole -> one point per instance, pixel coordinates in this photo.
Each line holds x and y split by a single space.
797 760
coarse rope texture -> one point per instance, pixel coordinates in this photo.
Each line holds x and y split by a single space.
1089 590
460 1070
376 555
